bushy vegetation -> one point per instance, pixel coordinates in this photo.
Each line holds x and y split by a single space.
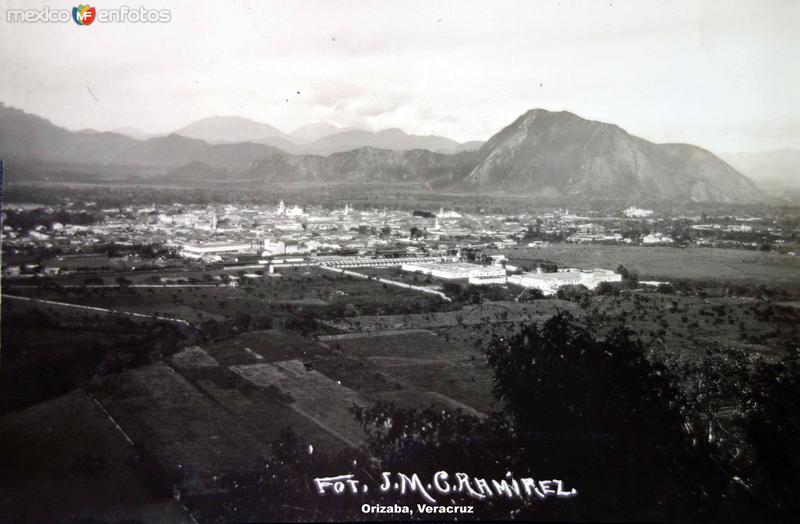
55 352
26 220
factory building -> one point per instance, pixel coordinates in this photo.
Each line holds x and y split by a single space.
198 251
549 283
455 270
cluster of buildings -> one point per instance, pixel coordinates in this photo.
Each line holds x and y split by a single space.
295 231
547 283
593 232
273 234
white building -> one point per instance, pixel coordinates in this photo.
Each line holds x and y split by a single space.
295 211
198 251
455 270
485 281
289 247
635 212
549 283
448 214
656 238
581 238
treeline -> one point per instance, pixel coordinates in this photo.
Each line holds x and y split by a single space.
27 220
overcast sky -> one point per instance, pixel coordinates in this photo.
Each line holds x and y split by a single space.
723 75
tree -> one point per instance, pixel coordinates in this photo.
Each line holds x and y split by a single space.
417 233
531 294
606 288
577 293
665 288
599 411
772 426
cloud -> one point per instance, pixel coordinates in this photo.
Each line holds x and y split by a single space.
331 93
354 104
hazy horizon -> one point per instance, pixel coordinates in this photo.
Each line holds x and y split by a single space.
720 75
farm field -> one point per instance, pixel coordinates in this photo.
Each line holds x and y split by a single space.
293 289
417 366
313 395
90 470
666 263
206 412
193 439
269 345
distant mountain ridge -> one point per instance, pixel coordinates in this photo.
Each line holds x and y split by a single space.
776 170
134 132
391 139
29 137
320 138
542 153
229 129
312 132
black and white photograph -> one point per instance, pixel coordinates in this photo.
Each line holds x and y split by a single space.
401 261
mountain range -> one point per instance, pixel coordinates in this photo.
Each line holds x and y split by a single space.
542 153
776 171
320 138
26 137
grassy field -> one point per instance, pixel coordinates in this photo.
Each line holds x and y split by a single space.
486 313
688 325
666 263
